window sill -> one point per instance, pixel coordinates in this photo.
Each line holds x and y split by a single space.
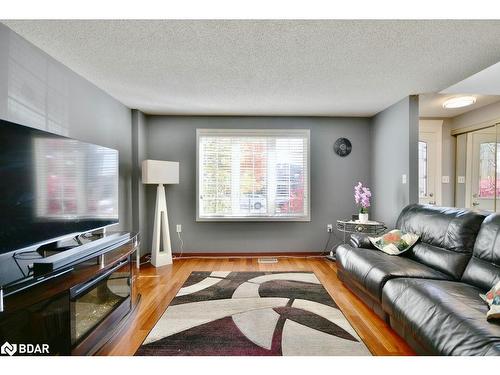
254 219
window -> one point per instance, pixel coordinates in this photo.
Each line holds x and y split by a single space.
487 162
253 175
422 169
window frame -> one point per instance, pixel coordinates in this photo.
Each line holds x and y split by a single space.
255 132
426 170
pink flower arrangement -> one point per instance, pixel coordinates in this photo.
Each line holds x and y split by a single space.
362 196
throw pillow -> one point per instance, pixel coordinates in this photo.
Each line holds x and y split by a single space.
395 242
492 297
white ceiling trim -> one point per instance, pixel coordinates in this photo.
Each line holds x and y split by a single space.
486 82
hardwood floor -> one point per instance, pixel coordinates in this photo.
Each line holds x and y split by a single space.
158 286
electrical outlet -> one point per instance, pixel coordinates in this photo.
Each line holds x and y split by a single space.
461 179
403 179
445 179
329 228
179 228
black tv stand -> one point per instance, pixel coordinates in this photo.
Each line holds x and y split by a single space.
84 283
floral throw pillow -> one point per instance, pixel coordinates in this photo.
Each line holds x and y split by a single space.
395 242
492 297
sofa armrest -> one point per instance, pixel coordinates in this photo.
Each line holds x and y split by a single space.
360 240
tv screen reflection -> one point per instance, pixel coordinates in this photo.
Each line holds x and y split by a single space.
74 180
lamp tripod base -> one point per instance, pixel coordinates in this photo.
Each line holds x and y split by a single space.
161 250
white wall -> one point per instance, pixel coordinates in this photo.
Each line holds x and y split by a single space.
448 146
448 164
487 113
453 163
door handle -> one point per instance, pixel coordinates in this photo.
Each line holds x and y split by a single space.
475 204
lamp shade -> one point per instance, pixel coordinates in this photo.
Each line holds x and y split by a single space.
160 172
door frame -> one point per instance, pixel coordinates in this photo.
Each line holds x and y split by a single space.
470 161
468 170
436 127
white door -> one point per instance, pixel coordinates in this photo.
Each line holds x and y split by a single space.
482 169
429 162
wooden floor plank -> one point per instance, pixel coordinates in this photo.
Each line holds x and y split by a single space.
158 286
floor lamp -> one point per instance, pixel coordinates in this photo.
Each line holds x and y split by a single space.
160 172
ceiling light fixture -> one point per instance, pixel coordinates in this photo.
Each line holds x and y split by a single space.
459 102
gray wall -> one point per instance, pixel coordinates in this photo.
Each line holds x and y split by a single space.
332 182
38 91
394 137
139 153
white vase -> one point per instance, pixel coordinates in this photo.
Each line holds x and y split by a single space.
363 218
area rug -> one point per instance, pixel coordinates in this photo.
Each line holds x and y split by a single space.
252 313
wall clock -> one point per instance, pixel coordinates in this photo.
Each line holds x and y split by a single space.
342 147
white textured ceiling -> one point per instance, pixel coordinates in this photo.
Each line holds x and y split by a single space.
330 67
431 105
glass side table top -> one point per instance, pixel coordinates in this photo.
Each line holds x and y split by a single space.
354 226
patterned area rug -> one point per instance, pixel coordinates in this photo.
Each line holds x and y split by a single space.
252 313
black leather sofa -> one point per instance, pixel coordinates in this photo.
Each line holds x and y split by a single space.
430 294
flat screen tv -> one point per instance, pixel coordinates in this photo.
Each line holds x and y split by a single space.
52 187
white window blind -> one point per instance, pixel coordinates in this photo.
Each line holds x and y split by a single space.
253 175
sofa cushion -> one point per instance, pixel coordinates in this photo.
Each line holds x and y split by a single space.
445 317
369 270
483 269
447 236
492 298
361 240
395 242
